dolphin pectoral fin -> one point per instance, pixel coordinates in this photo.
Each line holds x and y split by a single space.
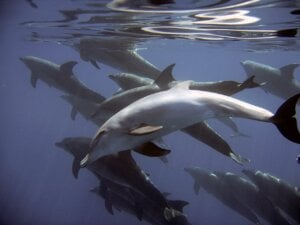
144 129
94 63
151 149
84 161
285 120
33 80
67 68
73 113
196 187
75 168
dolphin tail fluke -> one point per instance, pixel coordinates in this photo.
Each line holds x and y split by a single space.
285 120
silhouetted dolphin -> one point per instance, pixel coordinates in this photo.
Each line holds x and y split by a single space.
249 194
122 198
279 82
120 168
161 113
213 185
281 193
118 53
60 77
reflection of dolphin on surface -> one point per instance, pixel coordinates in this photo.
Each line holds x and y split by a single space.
161 113
213 184
282 194
60 77
118 53
280 82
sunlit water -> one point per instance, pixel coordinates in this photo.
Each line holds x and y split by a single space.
207 41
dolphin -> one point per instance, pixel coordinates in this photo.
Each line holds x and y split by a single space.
200 131
279 82
281 193
121 198
249 194
118 53
59 76
129 81
167 111
213 185
121 168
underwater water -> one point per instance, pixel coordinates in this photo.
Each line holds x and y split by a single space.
206 40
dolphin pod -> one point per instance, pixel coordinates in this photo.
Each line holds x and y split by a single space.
151 104
159 114
239 194
143 87
280 192
124 185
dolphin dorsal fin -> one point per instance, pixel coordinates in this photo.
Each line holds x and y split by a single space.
165 77
67 68
288 70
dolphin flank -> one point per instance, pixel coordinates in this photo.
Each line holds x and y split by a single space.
159 114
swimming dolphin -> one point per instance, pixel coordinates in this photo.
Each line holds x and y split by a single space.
281 193
213 185
161 113
200 131
121 198
121 168
118 53
129 81
279 82
249 194
59 76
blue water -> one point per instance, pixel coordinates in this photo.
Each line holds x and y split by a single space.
37 186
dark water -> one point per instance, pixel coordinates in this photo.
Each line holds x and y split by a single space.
206 39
